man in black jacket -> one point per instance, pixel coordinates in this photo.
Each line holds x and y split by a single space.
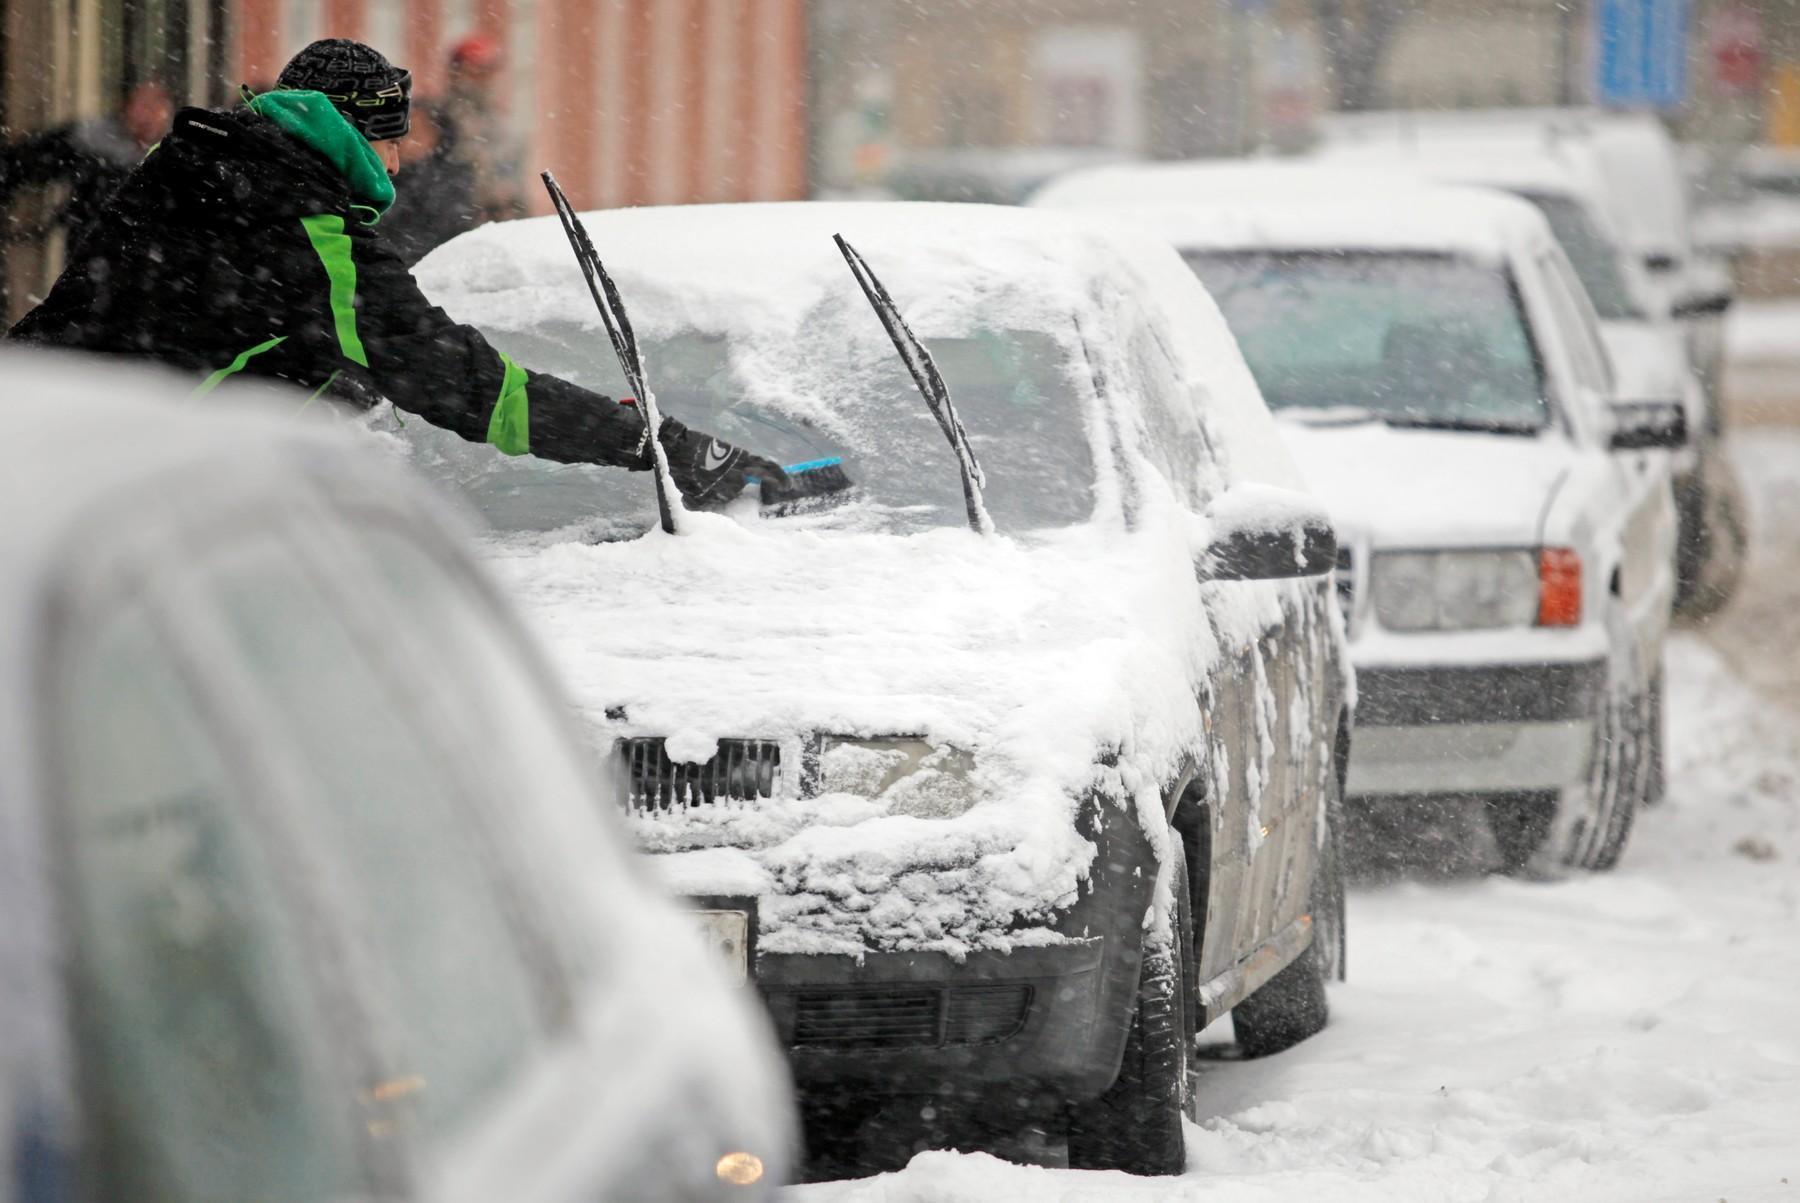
247 242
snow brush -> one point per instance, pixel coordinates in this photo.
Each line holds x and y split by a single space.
821 481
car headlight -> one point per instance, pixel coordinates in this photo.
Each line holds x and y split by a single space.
910 775
1455 590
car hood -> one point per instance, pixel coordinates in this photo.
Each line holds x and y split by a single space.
1649 360
1400 487
1065 665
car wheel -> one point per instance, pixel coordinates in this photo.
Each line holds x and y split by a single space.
1292 1005
1717 562
1619 776
1136 1125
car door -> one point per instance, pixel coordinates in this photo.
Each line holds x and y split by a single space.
220 1053
1261 701
1638 481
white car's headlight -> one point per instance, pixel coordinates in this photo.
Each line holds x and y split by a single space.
1455 590
910 775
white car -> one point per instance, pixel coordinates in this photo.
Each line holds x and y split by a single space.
1507 533
308 891
1011 812
1644 186
1570 181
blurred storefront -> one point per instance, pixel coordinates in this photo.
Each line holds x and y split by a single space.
628 101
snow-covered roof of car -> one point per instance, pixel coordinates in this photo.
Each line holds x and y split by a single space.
1300 205
761 270
1522 164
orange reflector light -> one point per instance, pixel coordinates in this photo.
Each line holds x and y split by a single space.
739 1169
1559 587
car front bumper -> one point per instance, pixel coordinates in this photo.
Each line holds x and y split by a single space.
1473 729
1034 1024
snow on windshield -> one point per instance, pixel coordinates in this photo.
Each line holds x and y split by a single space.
753 329
1421 338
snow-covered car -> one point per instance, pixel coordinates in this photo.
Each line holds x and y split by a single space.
1568 181
306 890
1506 528
1011 815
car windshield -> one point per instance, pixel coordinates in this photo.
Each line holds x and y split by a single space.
1020 397
1415 339
1592 255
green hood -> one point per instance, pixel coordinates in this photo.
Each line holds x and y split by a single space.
309 117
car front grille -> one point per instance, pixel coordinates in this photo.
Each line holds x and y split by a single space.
742 769
1344 577
908 1016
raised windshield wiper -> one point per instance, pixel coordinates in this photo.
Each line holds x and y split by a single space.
1474 425
624 342
931 385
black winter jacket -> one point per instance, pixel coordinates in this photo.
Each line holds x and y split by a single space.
242 245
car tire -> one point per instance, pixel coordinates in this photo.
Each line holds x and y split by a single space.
1135 1126
1520 826
1656 786
1292 1005
1619 776
1714 565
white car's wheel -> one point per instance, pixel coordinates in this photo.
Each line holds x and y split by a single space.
1622 763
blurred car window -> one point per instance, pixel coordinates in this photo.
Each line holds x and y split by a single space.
527 762
1585 351
386 798
1407 335
1593 256
194 1012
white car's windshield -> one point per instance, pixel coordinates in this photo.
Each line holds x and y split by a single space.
1016 391
1414 339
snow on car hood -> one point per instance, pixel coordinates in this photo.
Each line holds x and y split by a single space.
1649 360
1035 656
1424 488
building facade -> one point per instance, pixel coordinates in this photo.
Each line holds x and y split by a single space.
627 101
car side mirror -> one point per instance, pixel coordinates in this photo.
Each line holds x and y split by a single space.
1262 533
1640 425
1705 304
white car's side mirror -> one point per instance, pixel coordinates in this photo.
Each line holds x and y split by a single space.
1640 425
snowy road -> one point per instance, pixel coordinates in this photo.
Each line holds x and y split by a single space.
1633 1036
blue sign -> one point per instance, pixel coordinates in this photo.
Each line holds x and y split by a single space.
1640 53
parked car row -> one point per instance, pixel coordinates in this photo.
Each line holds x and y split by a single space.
980 788
1505 521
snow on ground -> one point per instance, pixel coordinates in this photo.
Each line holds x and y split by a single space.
1628 1036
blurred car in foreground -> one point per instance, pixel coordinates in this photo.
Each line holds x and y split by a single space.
1506 533
1628 278
1013 815
308 891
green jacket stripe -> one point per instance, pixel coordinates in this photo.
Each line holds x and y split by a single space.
237 365
326 231
509 428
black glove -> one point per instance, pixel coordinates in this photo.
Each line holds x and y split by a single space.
709 471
